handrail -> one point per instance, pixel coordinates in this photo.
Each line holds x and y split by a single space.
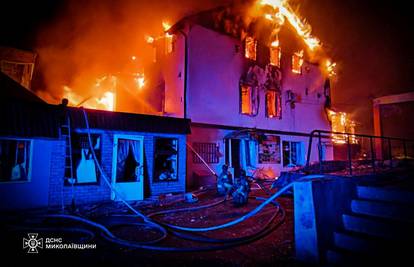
319 135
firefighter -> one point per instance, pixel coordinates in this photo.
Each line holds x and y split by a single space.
241 190
224 182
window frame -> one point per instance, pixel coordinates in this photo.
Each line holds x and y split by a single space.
29 172
299 156
157 180
99 156
250 95
300 59
272 49
277 104
248 42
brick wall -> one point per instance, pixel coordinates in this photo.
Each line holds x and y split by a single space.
101 192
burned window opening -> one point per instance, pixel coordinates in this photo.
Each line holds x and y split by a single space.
273 104
169 43
15 160
297 62
275 56
165 159
208 151
250 48
83 163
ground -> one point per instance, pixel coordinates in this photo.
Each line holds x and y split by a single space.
274 249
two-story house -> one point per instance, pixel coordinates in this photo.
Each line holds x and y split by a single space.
252 96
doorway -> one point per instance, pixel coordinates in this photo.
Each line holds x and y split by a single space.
127 167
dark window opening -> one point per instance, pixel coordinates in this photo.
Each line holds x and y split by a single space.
165 160
14 160
209 152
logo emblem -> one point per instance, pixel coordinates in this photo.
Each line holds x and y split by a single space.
32 243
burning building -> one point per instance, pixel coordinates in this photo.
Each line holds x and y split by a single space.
253 83
251 78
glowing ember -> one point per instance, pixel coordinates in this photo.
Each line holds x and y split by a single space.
302 28
133 58
149 39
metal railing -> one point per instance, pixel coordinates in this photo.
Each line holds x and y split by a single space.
380 147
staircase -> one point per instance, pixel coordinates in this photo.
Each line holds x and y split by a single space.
378 229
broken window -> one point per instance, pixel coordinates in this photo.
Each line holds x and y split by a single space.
273 104
246 99
18 71
250 48
83 164
15 160
297 62
208 151
293 154
166 159
275 55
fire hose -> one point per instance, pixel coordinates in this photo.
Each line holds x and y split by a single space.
146 220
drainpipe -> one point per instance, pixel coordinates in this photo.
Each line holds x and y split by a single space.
185 71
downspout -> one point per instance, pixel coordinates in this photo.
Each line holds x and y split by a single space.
185 71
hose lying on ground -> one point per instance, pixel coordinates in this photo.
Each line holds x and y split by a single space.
107 234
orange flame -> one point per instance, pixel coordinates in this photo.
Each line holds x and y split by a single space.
301 26
166 25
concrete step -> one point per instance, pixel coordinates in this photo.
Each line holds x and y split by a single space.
381 209
360 243
377 227
340 257
385 194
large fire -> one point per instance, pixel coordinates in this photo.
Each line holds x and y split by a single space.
281 11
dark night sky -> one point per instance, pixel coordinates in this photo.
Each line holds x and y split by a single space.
372 42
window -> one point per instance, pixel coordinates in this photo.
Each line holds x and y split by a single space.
293 154
208 151
83 164
297 62
169 43
275 55
18 71
246 99
269 149
250 48
273 104
166 160
15 160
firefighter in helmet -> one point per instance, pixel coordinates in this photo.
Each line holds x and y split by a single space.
224 181
241 190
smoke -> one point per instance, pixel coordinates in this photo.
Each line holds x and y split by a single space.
90 39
